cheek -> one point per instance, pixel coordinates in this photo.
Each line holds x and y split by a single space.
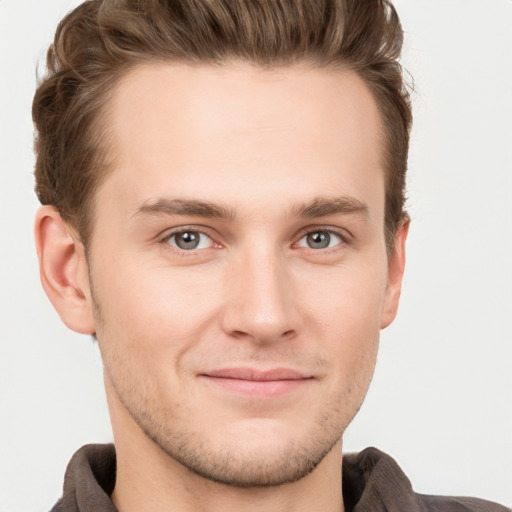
344 307
152 309
345 299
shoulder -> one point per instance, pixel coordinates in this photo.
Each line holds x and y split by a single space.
460 504
89 480
374 482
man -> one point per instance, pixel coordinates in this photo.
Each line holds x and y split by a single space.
223 186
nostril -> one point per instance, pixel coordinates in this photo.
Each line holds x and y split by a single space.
239 334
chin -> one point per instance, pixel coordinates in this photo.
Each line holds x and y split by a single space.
257 452
259 463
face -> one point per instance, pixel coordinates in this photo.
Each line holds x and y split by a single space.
238 264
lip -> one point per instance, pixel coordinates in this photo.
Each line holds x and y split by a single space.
256 383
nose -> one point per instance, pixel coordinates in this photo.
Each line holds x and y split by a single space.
261 303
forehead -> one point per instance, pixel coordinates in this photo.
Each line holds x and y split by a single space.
220 131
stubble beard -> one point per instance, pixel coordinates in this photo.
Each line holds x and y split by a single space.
266 463
228 465
235 468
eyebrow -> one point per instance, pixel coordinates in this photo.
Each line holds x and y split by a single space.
323 206
317 207
185 207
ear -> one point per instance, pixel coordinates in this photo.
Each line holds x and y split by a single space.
396 267
63 270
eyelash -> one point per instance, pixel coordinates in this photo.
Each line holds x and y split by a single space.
184 229
344 239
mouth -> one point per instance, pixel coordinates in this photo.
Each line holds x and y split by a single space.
255 383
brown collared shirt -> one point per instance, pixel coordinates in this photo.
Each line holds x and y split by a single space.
372 482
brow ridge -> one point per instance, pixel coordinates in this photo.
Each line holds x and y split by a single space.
323 206
317 207
190 207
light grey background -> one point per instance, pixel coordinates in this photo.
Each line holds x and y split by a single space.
441 400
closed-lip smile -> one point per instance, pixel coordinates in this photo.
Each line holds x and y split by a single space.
257 383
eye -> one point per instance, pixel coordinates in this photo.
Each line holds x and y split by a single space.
189 240
321 239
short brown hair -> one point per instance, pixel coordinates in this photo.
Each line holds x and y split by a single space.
98 42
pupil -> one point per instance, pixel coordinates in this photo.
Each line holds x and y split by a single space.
187 240
319 240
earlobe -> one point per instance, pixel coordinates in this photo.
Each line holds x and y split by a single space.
63 270
396 267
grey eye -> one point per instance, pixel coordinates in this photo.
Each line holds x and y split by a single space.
320 240
190 240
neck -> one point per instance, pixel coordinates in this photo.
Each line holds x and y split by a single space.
153 483
149 479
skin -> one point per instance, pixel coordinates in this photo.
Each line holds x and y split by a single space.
260 165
